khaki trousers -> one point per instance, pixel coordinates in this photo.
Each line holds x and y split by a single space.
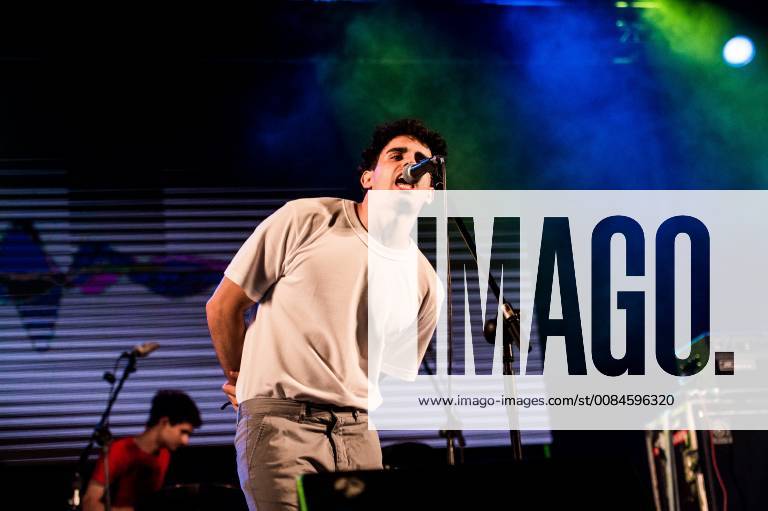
280 439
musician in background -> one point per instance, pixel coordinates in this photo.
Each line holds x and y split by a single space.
137 465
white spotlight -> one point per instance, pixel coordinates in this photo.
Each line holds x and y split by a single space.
739 51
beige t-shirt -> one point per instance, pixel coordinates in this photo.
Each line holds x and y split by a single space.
307 266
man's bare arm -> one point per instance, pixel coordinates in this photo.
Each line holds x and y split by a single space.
225 311
92 498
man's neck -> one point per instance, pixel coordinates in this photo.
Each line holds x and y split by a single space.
361 209
148 441
394 228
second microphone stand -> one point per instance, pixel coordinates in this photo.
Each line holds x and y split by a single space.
102 436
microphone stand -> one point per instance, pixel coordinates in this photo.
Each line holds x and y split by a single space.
511 324
102 436
511 321
451 436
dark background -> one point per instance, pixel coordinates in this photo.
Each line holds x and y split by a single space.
286 96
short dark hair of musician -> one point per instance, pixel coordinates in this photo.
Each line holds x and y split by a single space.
177 406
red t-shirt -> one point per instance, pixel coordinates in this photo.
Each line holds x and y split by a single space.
133 473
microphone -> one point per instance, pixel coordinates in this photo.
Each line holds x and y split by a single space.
412 172
142 350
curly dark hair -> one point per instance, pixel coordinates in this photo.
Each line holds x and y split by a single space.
177 406
383 133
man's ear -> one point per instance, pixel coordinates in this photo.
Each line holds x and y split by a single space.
164 421
366 179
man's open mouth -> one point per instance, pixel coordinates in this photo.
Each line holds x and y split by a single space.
401 183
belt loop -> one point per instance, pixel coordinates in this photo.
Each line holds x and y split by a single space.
304 411
355 413
332 425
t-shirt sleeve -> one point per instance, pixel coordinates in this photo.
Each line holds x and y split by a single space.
429 312
261 260
118 464
428 316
